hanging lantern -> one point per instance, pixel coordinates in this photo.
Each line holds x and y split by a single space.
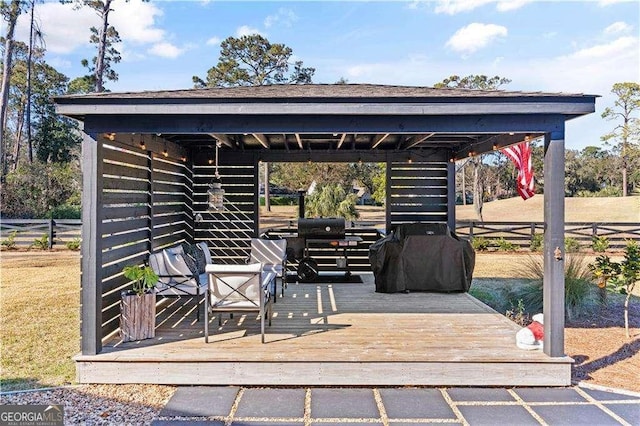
215 192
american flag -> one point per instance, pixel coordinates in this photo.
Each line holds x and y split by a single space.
520 155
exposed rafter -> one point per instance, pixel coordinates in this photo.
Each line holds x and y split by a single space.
415 140
299 141
284 141
222 138
378 139
264 141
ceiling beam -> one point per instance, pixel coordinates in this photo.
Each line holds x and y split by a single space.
299 140
417 139
284 138
264 141
342 139
378 139
222 138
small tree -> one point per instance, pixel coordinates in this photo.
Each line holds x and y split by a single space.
621 276
331 201
626 133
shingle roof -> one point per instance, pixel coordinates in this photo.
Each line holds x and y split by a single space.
318 91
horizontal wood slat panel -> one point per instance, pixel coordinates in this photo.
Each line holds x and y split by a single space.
401 174
125 157
419 190
120 170
124 212
128 197
125 184
117 254
424 208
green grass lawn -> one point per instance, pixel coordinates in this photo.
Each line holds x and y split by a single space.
39 319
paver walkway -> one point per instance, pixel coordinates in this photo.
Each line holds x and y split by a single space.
248 406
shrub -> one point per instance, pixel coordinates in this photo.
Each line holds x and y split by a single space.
517 314
10 242
571 245
41 243
599 244
579 289
480 243
331 201
74 244
65 211
536 242
504 245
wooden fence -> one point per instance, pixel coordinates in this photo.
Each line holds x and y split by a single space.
26 231
523 233
61 231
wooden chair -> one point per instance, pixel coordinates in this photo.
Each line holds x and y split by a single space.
238 288
273 255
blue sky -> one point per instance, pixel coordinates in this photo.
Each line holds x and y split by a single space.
570 46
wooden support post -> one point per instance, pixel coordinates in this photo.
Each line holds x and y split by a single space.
51 234
91 264
451 195
554 252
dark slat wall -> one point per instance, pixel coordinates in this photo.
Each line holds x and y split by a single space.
147 206
228 233
416 192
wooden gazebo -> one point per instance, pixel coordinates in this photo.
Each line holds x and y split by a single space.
147 162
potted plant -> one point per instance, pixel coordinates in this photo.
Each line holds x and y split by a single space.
138 305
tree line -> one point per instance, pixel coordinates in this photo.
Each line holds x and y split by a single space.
40 151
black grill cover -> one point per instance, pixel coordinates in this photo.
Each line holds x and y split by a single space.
422 257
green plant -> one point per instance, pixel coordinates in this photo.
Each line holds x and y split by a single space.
579 289
536 242
517 314
480 243
599 244
622 276
571 245
504 245
73 244
41 243
10 241
603 270
143 277
331 201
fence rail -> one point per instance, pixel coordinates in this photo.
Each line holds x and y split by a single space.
57 231
523 233
61 231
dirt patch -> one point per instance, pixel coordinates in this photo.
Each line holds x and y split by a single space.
603 354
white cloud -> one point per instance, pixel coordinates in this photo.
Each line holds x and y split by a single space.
617 28
452 7
508 5
67 29
214 41
165 50
284 17
604 3
246 30
135 22
64 28
604 51
475 36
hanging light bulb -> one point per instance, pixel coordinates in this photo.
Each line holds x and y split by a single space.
215 192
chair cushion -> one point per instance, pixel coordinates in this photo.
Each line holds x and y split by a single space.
194 258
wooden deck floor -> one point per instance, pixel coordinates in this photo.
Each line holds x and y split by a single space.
333 334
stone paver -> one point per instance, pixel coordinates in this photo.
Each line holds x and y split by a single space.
415 404
205 401
480 394
480 415
549 395
577 415
214 406
629 412
343 403
287 403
